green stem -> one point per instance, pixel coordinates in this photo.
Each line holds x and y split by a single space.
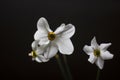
61 67
67 67
98 74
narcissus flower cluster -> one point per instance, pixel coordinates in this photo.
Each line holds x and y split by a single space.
47 42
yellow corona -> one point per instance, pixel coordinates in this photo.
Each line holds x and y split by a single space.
51 36
97 52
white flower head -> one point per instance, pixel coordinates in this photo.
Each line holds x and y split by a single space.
97 54
57 40
38 53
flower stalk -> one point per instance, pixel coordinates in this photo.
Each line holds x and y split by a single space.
98 74
61 67
67 67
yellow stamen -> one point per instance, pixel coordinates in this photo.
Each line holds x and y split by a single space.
51 36
97 52
33 54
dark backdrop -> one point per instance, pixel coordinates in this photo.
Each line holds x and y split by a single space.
18 18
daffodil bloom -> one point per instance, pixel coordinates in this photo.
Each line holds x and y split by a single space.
38 53
97 54
57 40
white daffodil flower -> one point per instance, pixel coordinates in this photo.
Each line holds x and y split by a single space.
38 53
57 40
97 54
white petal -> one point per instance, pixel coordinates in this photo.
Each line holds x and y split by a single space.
60 29
104 46
45 60
39 35
39 51
37 59
100 63
92 58
41 58
65 46
52 51
94 43
66 32
88 49
44 41
46 52
34 45
106 55
43 26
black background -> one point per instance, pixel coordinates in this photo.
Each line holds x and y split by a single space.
18 18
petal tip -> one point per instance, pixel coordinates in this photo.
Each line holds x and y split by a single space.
111 56
94 39
67 53
85 47
100 68
94 43
90 61
42 18
110 44
29 54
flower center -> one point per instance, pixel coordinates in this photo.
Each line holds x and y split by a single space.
51 36
97 52
33 54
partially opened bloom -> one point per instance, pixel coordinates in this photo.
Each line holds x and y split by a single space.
97 54
57 40
38 53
